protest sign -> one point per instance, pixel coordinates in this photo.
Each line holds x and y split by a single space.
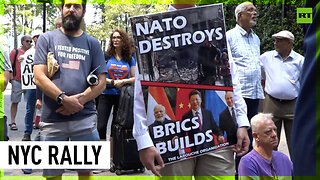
184 69
27 81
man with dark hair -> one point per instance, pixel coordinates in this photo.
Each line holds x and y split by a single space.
205 120
68 111
82 2
16 91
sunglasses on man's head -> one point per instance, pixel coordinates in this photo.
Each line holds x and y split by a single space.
29 41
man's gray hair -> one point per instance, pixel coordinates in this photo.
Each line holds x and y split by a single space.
256 120
261 117
240 8
58 21
161 106
25 37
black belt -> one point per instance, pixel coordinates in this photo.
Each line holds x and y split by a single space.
281 100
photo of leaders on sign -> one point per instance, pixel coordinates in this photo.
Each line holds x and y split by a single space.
184 46
185 76
189 122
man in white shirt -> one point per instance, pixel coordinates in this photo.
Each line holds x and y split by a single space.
282 67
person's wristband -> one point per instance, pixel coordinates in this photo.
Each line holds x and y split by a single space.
112 82
60 98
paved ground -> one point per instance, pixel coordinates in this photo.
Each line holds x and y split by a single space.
17 136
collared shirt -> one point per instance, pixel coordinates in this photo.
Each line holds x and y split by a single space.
245 53
230 110
282 75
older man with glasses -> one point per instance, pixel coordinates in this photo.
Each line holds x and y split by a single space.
244 53
16 92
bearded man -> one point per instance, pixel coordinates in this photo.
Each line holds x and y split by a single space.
68 108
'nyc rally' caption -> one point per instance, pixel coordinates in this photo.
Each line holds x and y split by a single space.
55 155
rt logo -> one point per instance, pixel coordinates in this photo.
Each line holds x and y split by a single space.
304 15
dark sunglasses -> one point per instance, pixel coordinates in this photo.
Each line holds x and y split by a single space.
29 41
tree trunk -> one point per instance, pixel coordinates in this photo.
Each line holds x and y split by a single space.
15 27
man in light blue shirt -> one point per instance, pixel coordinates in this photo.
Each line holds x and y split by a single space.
244 47
244 52
282 67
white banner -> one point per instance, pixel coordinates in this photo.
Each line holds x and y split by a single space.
55 155
27 81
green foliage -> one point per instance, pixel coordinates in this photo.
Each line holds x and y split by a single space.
94 1
117 16
131 1
27 14
267 26
253 1
273 17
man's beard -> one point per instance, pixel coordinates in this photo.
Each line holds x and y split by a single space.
71 22
253 23
160 119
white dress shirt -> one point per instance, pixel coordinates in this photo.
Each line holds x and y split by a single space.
282 75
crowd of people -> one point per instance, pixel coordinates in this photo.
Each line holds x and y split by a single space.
70 113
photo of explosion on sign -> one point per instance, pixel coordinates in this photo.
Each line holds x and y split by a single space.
186 46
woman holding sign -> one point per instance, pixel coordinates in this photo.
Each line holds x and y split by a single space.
121 68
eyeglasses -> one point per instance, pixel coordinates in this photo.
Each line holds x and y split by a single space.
117 37
29 41
251 11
